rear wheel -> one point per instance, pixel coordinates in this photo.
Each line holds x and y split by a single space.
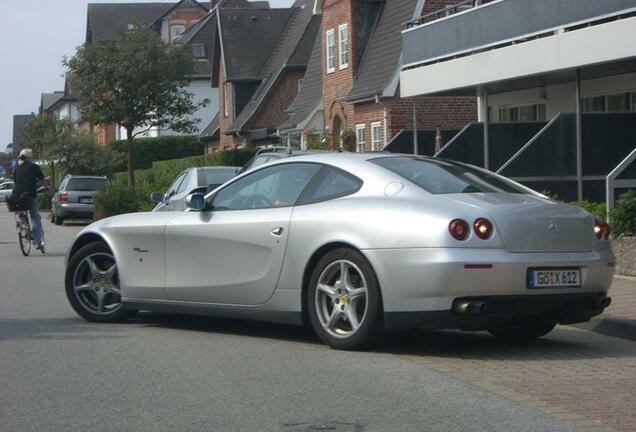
344 302
92 284
530 331
59 220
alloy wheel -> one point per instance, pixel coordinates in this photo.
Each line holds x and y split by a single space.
96 284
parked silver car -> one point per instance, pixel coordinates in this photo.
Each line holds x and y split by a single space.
5 190
199 179
353 244
74 198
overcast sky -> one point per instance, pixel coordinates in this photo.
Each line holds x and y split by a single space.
36 34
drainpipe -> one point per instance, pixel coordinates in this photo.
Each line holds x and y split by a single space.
579 138
415 138
386 127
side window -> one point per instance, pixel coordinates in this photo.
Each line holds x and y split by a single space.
331 183
276 186
184 183
175 185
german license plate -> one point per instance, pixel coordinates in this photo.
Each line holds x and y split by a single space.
86 200
554 278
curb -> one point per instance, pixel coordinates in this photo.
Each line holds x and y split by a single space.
623 328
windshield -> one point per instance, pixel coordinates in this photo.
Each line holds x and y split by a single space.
85 184
215 176
445 177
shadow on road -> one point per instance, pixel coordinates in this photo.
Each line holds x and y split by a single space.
228 326
57 329
481 346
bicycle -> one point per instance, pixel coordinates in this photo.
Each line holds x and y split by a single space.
22 225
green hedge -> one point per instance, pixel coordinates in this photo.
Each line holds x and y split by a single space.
159 178
149 150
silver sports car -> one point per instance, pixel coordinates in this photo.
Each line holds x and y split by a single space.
354 245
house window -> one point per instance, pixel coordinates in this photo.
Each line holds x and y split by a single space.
360 137
524 113
343 38
176 30
376 136
331 51
227 94
619 102
198 51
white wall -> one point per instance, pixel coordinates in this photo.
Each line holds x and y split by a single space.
561 97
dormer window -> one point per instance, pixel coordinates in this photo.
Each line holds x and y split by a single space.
198 51
176 30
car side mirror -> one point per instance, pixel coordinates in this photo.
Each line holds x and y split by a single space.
195 202
156 197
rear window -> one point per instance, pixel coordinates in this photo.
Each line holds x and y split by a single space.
444 177
215 176
85 184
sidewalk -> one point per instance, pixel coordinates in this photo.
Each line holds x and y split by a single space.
619 320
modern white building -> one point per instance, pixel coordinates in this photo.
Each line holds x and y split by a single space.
556 80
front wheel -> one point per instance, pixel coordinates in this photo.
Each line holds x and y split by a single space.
24 235
92 284
344 301
530 331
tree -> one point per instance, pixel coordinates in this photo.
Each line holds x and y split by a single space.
81 155
45 134
137 81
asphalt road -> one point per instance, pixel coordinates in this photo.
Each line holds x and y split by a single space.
159 372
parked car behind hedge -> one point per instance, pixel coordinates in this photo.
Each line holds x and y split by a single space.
201 179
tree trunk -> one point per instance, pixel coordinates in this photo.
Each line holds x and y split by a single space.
52 165
131 170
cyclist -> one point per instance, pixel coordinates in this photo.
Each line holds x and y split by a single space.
26 177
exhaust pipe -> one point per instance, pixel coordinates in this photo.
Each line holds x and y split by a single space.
470 307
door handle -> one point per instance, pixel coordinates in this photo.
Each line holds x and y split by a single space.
277 232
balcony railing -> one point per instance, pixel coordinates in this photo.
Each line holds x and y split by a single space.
447 11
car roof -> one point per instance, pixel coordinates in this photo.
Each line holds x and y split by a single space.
86 176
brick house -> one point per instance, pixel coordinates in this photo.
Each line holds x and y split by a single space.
352 85
173 21
259 60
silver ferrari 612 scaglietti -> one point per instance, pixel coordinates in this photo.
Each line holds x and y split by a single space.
353 244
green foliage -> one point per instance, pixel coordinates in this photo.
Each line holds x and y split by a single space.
550 194
137 81
349 140
115 200
81 155
316 142
149 150
159 178
46 135
623 215
44 200
596 208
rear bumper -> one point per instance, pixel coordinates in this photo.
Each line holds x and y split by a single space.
76 210
502 311
430 279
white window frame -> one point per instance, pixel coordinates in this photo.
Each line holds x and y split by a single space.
226 90
376 140
330 51
173 26
299 85
343 46
194 51
361 131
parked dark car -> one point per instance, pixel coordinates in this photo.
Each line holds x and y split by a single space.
201 180
74 198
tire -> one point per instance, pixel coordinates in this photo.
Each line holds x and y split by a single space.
527 332
25 244
52 216
347 301
59 220
84 291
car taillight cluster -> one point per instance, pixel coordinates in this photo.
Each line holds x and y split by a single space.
460 229
62 197
601 229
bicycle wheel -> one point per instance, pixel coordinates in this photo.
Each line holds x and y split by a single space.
24 235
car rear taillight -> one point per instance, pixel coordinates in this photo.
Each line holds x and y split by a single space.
62 197
459 229
601 229
483 228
